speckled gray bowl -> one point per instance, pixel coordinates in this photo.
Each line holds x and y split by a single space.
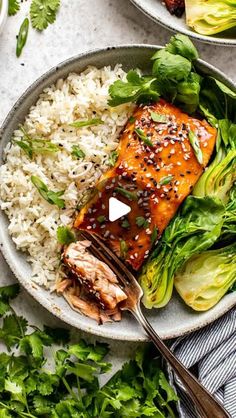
176 319
3 13
156 10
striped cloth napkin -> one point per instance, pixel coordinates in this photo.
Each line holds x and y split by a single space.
212 353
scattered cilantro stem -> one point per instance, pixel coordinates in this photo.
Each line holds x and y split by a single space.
70 391
17 320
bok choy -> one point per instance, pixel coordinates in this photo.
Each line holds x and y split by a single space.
209 17
196 228
206 277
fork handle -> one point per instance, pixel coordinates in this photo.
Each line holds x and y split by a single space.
206 404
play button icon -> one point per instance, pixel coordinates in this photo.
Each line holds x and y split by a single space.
117 209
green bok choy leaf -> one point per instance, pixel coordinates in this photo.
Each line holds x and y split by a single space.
196 228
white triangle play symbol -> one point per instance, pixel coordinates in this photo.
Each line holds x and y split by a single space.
117 209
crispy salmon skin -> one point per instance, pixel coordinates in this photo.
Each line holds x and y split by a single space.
155 171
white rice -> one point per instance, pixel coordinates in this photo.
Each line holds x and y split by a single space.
33 222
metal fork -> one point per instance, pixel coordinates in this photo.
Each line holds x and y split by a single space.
206 404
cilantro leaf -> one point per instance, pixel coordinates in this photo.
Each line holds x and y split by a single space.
182 45
64 235
43 13
67 409
50 196
164 384
84 351
12 330
58 335
47 383
13 7
136 88
32 344
4 308
9 292
42 405
83 371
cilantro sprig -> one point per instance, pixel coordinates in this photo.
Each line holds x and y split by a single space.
42 13
29 388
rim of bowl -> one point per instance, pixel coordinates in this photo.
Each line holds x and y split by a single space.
3 13
32 290
211 40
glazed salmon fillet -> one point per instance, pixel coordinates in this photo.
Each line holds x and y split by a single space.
155 171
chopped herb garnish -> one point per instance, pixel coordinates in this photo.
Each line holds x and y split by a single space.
158 117
166 180
42 13
196 147
72 387
154 235
125 223
143 137
132 119
113 158
54 198
13 7
142 222
77 152
33 146
101 219
88 122
65 236
123 248
126 193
